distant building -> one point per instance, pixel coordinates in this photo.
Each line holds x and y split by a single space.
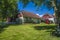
48 17
24 17
29 17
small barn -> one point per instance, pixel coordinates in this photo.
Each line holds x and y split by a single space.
48 17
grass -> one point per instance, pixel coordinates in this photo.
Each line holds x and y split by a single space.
27 32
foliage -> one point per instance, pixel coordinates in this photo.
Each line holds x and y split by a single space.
38 3
8 8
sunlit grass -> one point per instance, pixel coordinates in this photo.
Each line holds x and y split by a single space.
26 32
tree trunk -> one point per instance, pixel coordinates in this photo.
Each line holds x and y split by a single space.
55 9
57 32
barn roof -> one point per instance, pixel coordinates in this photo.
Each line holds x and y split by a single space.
45 16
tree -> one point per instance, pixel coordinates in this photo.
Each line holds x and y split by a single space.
8 8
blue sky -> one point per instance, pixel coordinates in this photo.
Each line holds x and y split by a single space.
31 8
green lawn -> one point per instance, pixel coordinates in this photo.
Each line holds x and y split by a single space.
27 32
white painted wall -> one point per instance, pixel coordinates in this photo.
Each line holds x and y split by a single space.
51 19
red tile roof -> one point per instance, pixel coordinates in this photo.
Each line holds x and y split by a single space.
29 14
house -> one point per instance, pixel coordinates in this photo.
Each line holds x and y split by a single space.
29 17
48 17
25 17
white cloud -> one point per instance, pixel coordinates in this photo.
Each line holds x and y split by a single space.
41 15
37 14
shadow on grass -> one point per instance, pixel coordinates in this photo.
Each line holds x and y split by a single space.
3 26
47 27
52 29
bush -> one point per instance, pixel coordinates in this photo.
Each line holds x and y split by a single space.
3 24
